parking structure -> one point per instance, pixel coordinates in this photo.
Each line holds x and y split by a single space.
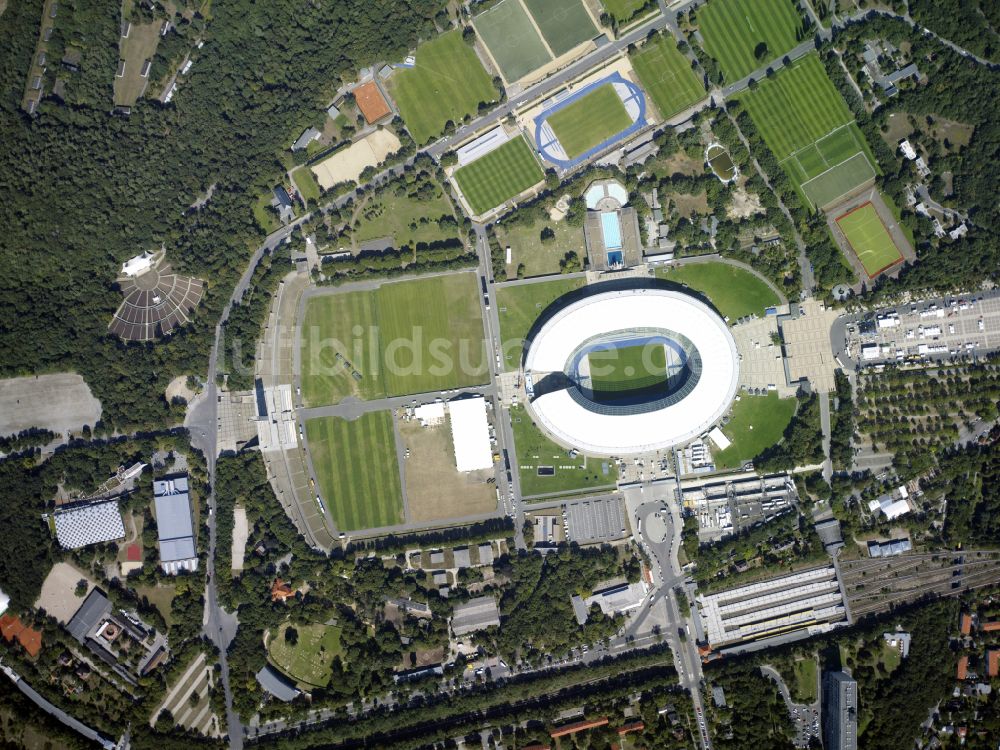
926 330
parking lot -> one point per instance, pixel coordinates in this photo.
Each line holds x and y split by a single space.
926 331
595 520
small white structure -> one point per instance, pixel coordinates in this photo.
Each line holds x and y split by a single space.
430 415
470 432
870 351
138 265
720 440
960 231
4 602
908 151
892 509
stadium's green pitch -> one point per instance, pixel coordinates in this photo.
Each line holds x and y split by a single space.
809 128
356 467
447 83
869 239
590 120
511 38
499 175
628 371
734 31
666 75
564 23
405 337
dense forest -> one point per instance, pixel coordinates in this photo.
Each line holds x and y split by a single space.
86 190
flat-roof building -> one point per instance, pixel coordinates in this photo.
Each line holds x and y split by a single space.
470 432
174 526
89 523
475 614
840 711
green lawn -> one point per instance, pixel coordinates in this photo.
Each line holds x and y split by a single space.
804 687
635 369
809 128
499 176
406 217
666 75
355 465
405 337
534 449
869 239
265 216
733 29
519 306
623 11
447 83
564 23
590 120
757 422
306 183
308 661
733 291
540 258
511 39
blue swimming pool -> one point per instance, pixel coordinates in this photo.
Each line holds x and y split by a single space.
611 228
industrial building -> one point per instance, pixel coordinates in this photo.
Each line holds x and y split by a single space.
470 433
840 711
615 600
729 506
88 523
173 525
806 602
475 614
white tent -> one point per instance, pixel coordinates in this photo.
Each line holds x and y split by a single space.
470 433
4 602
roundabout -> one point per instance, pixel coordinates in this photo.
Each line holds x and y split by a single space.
630 371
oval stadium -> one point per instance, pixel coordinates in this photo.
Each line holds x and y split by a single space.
630 371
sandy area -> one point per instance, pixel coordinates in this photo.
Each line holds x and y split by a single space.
58 402
744 205
434 488
178 387
241 530
58 597
347 164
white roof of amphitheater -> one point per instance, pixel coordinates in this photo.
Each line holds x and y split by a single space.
613 434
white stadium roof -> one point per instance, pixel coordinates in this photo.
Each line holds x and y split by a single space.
579 423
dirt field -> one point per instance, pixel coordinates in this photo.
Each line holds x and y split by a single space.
59 402
58 597
434 489
688 204
178 387
683 164
744 204
240 533
347 164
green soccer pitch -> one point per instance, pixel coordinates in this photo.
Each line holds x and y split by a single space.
733 31
666 75
628 370
869 239
447 83
589 120
355 464
498 176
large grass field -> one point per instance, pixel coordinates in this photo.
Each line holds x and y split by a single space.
308 661
409 218
499 176
757 422
666 75
447 83
735 292
519 306
512 40
590 120
623 11
405 337
305 181
564 23
540 258
143 38
869 239
627 370
733 29
804 687
534 449
809 128
355 465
